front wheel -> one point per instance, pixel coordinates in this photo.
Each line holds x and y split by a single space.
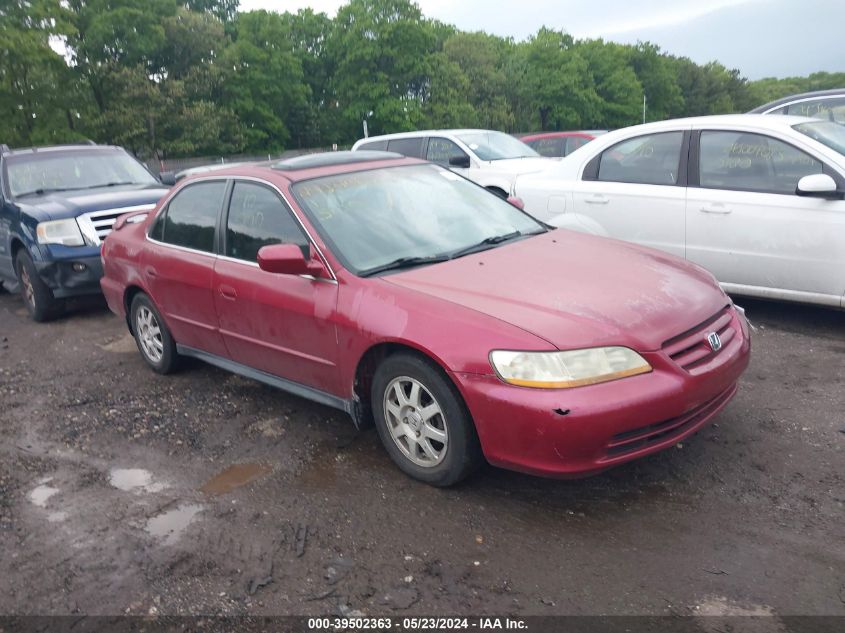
37 296
152 336
422 421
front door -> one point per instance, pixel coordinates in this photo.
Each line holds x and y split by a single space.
746 225
279 324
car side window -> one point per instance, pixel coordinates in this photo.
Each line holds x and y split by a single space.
258 217
752 162
652 159
440 150
548 146
374 146
192 215
574 142
832 109
407 146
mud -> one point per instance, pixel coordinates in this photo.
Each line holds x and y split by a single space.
122 491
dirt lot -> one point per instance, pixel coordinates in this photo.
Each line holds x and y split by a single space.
109 502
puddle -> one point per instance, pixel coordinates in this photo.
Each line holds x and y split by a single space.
56 517
169 525
41 494
133 479
123 345
234 477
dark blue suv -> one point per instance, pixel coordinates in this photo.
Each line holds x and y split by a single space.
57 204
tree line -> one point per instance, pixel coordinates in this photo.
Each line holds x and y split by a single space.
169 78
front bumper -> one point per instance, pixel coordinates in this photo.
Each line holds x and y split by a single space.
72 276
582 431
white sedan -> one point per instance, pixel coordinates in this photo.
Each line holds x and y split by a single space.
757 200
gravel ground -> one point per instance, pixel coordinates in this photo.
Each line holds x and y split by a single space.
122 491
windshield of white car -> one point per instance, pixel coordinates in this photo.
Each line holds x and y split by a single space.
39 173
825 132
397 217
496 146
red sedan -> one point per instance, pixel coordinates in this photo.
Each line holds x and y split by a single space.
397 291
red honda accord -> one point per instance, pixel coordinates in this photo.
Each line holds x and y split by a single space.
397 291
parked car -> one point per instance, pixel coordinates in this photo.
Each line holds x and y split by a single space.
492 159
756 200
821 104
390 287
57 204
559 144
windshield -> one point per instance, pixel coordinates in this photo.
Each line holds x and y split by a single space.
62 171
825 132
496 145
372 218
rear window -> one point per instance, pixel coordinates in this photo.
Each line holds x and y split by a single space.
377 146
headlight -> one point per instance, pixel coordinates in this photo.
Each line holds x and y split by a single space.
65 232
563 370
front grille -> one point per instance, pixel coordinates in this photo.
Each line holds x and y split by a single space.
96 225
692 351
643 437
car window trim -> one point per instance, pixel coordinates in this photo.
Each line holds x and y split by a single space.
311 240
696 177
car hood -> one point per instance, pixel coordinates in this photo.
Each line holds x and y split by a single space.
576 290
523 165
69 204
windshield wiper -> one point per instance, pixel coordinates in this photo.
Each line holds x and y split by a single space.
112 184
487 242
42 190
404 262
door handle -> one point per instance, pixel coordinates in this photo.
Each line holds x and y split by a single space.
150 271
717 208
227 292
597 199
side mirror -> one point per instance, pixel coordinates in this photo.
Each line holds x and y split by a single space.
167 178
287 259
461 161
517 202
818 186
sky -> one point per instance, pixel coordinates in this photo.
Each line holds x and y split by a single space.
761 38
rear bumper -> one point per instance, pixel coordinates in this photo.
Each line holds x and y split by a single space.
71 277
583 431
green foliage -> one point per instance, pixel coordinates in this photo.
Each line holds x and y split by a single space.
194 77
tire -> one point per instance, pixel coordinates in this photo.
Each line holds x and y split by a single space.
154 341
428 433
498 192
37 296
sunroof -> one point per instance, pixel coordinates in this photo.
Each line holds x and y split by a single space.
328 159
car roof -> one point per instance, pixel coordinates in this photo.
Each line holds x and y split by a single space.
72 147
536 136
311 166
418 133
802 96
759 121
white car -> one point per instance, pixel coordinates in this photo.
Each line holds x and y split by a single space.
491 159
756 200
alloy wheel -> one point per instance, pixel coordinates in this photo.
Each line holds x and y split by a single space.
415 421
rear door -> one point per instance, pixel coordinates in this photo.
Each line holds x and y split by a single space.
279 324
635 190
178 264
746 225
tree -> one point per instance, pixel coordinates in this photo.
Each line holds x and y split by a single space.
380 55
